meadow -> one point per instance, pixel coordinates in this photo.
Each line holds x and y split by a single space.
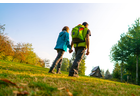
28 80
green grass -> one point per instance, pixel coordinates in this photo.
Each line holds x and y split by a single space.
38 82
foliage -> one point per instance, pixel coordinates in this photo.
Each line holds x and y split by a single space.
9 58
117 71
108 75
82 67
5 46
65 64
127 51
21 52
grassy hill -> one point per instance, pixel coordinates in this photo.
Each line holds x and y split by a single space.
23 79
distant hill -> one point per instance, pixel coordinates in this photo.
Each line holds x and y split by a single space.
24 79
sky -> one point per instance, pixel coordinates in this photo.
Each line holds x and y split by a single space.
40 24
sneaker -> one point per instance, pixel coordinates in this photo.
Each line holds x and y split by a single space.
58 73
74 75
52 72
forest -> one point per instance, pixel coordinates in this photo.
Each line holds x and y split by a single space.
126 55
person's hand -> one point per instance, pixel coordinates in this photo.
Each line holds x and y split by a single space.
70 51
87 53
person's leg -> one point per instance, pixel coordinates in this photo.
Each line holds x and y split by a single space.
59 66
57 59
79 55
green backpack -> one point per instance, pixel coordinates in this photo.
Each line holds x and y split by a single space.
78 34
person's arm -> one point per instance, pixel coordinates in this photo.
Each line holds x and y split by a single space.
71 47
68 42
87 43
71 42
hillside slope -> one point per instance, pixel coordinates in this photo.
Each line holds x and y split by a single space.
23 79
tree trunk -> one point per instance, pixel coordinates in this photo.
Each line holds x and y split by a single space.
137 69
121 70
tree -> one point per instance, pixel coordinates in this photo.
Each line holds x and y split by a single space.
22 52
116 71
6 45
134 33
107 74
128 47
65 64
130 68
2 28
119 51
82 67
30 56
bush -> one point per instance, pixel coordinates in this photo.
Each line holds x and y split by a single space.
8 58
16 60
2 55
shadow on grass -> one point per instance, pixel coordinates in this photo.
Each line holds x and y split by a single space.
45 89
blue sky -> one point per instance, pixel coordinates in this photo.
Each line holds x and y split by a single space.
40 24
